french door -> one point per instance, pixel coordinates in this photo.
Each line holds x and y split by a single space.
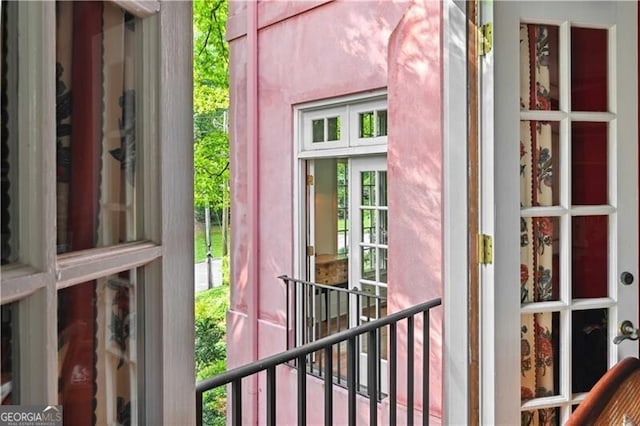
560 196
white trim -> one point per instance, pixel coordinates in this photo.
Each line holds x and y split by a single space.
455 353
139 8
79 267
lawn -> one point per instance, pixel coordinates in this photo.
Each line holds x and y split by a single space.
200 246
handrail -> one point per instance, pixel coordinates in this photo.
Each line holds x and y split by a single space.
353 290
291 354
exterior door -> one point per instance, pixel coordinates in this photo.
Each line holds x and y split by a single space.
560 167
368 269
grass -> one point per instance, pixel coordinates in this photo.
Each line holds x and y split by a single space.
200 246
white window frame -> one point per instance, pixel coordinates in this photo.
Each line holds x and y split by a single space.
164 253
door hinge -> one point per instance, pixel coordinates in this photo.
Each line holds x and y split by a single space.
485 249
311 250
485 38
309 180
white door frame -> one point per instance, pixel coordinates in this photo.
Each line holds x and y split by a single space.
500 348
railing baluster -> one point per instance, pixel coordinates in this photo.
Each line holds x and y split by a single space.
393 371
351 379
323 348
236 402
410 372
302 390
199 408
328 386
372 380
287 302
425 368
271 396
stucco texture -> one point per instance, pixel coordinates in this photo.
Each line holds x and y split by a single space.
335 49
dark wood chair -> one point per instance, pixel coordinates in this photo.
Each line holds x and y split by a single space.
614 399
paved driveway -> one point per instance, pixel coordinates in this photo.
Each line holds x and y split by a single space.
201 274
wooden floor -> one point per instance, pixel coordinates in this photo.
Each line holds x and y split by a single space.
317 362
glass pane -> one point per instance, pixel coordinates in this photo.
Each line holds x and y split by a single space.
590 345
539 259
96 138
589 163
382 267
368 259
317 127
366 124
8 370
382 188
98 350
545 416
539 163
382 123
368 226
539 355
589 256
384 227
539 67
368 182
589 69
9 170
333 129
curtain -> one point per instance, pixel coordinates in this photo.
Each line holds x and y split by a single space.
95 139
537 234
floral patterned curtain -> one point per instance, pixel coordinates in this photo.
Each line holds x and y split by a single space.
537 233
95 70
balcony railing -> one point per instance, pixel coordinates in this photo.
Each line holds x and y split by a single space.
301 356
318 310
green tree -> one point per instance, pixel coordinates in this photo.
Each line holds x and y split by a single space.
210 104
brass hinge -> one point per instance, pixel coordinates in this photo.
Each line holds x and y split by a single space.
485 249
485 38
309 180
311 251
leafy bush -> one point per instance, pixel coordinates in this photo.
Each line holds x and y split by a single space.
211 349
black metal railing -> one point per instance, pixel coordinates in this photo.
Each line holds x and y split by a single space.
302 353
315 310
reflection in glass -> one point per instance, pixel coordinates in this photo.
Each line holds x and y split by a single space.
382 253
539 74
384 227
368 260
98 350
589 172
368 226
589 348
368 180
382 123
333 129
544 416
589 265
382 176
9 170
589 69
96 140
318 130
8 370
539 163
366 124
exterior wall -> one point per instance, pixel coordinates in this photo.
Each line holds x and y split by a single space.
317 50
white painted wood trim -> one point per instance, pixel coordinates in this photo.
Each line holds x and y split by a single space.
37 313
79 267
175 119
139 8
23 285
455 349
341 152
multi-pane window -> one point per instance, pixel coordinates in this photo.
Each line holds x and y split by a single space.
86 254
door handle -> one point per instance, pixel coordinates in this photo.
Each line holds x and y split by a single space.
627 332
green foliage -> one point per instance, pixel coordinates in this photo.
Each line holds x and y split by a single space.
210 103
211 349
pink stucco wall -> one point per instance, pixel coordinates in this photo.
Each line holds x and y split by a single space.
322 50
